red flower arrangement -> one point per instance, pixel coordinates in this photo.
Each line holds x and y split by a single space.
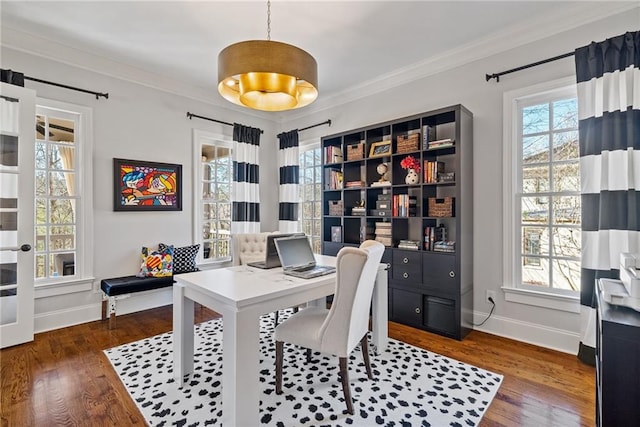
410 162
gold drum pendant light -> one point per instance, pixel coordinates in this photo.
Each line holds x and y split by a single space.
267 75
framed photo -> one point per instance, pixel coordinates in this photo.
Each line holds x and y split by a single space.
336 233
139 185
379 149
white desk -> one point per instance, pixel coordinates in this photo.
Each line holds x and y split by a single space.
241 295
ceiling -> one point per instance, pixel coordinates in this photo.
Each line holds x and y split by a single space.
364 45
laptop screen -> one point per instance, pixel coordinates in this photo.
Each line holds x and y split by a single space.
294 251
272 251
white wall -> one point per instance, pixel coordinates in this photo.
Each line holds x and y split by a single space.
466 85
135 122
142 123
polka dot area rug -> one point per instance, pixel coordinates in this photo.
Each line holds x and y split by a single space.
411 386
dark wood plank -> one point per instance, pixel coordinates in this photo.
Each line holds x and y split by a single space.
63 378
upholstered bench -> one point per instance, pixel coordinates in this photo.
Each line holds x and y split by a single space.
124 286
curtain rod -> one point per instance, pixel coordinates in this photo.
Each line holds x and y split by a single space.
326 122
97 94
524 67
191 115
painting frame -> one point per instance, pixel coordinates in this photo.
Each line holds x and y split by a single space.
142 186
380 149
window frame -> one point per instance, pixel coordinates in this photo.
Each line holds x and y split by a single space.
515 291
201 138
84 259
315 239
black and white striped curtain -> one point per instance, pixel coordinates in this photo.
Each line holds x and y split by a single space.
608 77
245 216
288 161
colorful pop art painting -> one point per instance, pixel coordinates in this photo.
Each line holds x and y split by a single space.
146 186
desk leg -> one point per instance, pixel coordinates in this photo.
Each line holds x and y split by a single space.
183 334
240 377
380 305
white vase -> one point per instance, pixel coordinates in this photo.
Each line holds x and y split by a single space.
412 177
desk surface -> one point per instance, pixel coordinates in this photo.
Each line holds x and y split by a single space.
243 285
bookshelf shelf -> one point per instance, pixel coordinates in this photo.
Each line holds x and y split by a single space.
436 284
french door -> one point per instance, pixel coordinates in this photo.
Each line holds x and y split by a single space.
17 148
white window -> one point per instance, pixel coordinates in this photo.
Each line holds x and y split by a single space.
63 203
310 206
212 195
542 190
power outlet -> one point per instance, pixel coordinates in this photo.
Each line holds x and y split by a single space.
490 294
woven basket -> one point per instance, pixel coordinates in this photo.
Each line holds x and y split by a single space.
441 207
408 143
355 151
335 207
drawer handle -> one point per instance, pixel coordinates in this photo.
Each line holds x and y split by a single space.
417 310
405 275
405 260
452 274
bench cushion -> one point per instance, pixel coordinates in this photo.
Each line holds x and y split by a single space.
130 284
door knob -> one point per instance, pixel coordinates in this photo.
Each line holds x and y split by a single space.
25 248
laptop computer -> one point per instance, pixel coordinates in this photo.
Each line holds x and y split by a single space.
297 258
272 259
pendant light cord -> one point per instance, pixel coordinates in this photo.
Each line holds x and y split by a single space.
269 20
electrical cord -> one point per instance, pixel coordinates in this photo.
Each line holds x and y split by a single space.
490 313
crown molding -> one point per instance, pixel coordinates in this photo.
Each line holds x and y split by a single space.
573 16
512 37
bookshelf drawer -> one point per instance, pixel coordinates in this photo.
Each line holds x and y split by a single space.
439 271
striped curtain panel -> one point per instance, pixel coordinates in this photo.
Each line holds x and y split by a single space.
608 77
245 217
288 161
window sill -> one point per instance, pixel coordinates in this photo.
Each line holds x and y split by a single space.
566 303
209 265
50 289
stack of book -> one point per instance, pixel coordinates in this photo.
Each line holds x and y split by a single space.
428 135
432 170
441 143
413 245
383 233
358 211
351 184
404 205
433 235
332 179
332 154
444 246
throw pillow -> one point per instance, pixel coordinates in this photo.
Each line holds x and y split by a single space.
184 258
156 263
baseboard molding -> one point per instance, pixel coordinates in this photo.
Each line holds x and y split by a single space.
531 333
51 320
140 301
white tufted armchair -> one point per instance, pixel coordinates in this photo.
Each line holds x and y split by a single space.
249 247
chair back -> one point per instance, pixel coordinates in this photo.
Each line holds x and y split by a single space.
348 318
249 247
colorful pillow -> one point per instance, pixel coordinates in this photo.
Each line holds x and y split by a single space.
157 263
184 258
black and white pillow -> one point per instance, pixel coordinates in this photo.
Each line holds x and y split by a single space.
184 258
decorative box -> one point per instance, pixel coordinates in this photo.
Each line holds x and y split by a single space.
441 207
408 143
335 207
355 151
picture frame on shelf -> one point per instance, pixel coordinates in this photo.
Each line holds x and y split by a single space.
336 233
380 149
140 185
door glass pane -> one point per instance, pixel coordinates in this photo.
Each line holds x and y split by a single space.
62 211
61 157
62 264
61 184
8 150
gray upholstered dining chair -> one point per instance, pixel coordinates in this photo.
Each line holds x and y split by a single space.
338 330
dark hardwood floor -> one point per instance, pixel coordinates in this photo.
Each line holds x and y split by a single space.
64 379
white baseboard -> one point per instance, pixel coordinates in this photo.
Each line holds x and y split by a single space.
51 320
88 313
531 333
